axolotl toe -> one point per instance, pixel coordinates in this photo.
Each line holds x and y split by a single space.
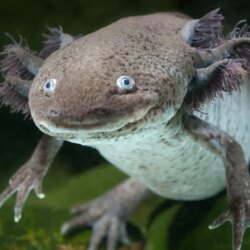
134 90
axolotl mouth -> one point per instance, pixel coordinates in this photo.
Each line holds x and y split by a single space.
58 125
68 128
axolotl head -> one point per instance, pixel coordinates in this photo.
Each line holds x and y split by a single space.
132 73
115 77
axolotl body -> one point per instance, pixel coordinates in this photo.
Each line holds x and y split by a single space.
87 106
134 90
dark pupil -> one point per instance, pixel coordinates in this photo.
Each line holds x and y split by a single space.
48 84
126 82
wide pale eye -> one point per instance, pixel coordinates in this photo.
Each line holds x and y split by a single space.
50 85
125 83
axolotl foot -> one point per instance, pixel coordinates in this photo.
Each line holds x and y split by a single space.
22 183
105 221
238 214
107 215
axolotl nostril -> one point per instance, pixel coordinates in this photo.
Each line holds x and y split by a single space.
134 90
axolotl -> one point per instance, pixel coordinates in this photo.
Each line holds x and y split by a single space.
163 97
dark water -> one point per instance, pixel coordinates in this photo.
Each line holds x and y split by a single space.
81 173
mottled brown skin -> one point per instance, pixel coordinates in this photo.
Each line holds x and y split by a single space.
107 54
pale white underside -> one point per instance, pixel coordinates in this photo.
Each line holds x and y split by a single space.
182 168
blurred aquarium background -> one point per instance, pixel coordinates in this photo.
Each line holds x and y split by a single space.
79 174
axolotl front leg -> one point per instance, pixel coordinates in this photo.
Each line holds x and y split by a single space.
30 175
237 175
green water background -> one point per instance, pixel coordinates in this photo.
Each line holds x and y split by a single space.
80 173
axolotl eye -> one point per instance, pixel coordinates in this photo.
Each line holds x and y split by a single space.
50 86
125 83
